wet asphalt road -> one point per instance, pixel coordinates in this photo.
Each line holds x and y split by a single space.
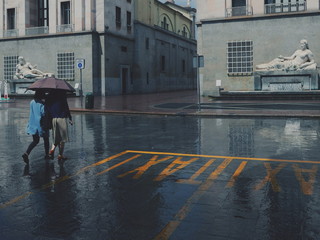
156 177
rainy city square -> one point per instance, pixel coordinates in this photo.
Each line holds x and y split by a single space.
160 120
162 177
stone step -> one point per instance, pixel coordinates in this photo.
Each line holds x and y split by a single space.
268 95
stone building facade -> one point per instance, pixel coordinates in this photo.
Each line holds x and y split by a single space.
236 35
53 34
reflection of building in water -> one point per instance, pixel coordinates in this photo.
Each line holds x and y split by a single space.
241 140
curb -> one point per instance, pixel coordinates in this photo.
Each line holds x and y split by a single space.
202 114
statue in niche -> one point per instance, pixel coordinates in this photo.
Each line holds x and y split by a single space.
25 70
302 59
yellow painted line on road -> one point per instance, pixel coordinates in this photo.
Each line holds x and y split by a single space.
61 179
236 174
306 186
176 165
167 231
14 200
214 156
119 164
271 177
197 174
100 162
142 169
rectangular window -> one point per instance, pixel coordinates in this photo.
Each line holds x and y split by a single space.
280 6
240 57
147 43
118 17
65 13
65 65
11 18
10 64
129 22
43 13
163 63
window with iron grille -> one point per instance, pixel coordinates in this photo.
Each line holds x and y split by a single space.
9 66
240 57
65 13
11 17
43 13
65 65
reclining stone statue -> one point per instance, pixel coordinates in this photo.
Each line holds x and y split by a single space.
24 70
302 59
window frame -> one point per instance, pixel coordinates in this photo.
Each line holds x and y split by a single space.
240 57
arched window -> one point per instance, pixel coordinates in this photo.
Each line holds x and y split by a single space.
184 32
164 23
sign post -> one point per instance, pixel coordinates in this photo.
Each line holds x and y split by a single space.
80 63
198 62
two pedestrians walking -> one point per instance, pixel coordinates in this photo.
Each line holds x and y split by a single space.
48 110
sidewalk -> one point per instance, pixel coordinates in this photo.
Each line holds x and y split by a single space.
186 103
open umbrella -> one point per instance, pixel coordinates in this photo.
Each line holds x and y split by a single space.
50 83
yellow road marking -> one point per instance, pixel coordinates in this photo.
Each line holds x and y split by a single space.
100 162
306 186
119 164
142 169
214 156
167 231
170 169
236 174
64 178
197 174
271 177
14 200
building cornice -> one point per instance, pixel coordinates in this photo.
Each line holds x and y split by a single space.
258 17
157 28
52 35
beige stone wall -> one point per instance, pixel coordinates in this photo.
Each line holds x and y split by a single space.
209 9
152 12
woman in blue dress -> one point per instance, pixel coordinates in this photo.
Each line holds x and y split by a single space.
35 128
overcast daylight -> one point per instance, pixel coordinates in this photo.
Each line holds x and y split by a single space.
160 119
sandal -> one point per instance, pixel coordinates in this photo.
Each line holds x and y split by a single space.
61 157
51 154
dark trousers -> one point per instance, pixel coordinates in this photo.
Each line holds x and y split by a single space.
36 139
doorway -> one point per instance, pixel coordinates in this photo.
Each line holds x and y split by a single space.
126 84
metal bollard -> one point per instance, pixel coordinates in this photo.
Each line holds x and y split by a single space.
89 101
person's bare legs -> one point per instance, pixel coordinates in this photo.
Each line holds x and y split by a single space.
51 152
61 150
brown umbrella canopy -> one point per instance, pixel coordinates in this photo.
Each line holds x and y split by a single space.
51 83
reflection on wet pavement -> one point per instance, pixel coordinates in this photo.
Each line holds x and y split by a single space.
148 177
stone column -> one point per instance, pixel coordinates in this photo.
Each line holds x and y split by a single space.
21 18
78 16
2 19
313 5
52 16
257 7
88 15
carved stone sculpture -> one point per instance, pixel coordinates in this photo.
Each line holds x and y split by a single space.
24 70
302 59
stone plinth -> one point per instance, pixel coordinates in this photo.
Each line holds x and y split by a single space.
286 80
20 85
